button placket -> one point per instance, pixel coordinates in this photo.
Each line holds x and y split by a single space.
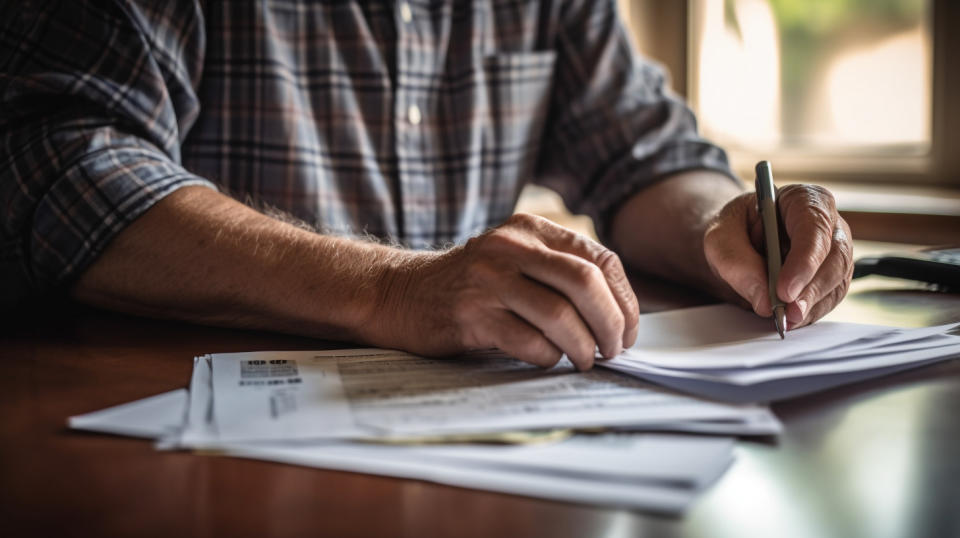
403 126
413 115
416 184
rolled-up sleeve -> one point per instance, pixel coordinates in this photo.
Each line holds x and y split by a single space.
614 127
95 100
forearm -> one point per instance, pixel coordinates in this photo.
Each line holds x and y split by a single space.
200 256
660 229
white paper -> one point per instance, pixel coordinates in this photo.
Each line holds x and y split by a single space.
198 427
899 341
674 459
777 389
709 352
382 394
646 495
280 395
760 422
404 395
725 336
638 471
752 376
149 418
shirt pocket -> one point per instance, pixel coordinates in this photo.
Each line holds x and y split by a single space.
518 87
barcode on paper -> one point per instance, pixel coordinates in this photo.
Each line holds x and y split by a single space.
267 368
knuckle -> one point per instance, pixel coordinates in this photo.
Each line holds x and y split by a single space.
813 292
477 242
842 289
824 196
609 262
843 260
577 242
837 294
812 200
588 274
502 242
526 221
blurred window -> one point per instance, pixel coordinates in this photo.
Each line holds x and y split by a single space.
813 80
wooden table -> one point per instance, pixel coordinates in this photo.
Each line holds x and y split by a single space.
880 458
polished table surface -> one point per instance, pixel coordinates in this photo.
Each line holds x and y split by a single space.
879 458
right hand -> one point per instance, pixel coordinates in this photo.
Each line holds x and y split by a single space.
529 287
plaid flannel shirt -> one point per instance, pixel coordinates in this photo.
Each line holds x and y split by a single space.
414 120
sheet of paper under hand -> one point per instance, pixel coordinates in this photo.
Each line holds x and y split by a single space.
373 394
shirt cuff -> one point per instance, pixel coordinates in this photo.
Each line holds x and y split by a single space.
94 201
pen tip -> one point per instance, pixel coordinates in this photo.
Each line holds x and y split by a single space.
780 320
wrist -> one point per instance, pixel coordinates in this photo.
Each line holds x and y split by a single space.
390 309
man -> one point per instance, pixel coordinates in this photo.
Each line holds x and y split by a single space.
125 123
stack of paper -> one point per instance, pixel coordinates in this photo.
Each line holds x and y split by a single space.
727 353
635 470
375 394
448 421
395 414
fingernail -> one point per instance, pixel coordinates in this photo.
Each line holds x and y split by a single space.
802 305
756 295
794 289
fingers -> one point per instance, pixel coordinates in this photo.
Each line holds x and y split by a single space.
578 280
732 256
818 266
829 286
507 332
810 217
585 288
555 317
616 277
820 309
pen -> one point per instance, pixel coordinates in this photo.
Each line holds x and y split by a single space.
767 206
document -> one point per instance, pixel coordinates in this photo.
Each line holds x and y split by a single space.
634 470
381 394
738 368
151 418
281 395
725 336
392 413
669 492
401 394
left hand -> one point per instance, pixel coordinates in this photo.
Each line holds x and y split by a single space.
818 266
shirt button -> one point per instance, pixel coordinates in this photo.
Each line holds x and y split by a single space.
413 114
405 12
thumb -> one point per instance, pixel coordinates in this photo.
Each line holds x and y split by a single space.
732 256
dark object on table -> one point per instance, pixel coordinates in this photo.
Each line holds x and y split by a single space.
939 266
